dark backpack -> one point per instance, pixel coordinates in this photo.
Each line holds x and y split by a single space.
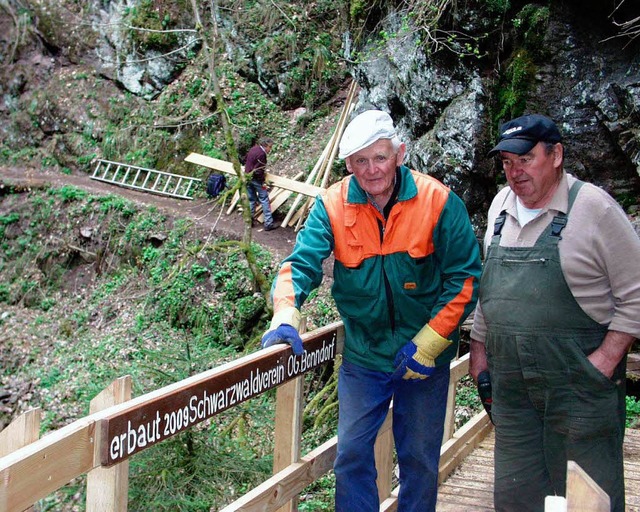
216 183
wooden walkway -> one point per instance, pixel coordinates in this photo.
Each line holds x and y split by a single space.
470 486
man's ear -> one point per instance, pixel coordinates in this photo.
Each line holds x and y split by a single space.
402 152
558 154
347 162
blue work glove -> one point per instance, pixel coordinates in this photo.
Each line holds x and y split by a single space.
284 333
416 359
284 329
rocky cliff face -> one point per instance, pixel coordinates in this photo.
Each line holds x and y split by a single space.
447 111
70 73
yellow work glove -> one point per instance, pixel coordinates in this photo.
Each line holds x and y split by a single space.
416 359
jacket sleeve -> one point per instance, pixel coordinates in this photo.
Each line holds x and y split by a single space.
301 272
458 254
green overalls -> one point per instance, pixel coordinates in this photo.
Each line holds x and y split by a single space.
550 404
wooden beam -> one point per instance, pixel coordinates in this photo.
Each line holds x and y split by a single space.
450 413
291 481
459 368
272 179
391 503
583 493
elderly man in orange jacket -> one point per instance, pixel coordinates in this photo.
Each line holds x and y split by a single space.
405 274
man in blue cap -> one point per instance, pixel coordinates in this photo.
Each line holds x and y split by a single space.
405 273
558 310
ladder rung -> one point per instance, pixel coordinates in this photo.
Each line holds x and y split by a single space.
177 187
104 175
144 184
126 175
155 183
135 179
166 184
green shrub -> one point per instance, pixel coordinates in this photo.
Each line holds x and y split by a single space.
633 411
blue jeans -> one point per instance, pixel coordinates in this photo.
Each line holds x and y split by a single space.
256 193
419 409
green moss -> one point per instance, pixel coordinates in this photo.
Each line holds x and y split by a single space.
146 16
514 85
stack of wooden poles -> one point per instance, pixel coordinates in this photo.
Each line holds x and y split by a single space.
319 175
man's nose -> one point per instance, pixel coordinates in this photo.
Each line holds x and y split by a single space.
370 166
515 169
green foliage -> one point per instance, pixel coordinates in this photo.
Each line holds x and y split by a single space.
115 203
145 15
68 193
10 218
517 79
85 160
498 6
319 496
633 411
356 9
4 292
628 200
515 83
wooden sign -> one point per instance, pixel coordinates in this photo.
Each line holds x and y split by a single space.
179 407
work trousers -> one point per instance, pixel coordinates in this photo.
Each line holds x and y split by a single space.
419 408
258 194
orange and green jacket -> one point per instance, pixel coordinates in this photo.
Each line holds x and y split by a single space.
391 277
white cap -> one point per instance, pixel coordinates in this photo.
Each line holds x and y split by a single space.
364 130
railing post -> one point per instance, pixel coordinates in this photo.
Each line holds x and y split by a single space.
24 430
288 426
108 488
450 414
383 451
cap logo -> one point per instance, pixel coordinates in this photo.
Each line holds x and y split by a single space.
514 129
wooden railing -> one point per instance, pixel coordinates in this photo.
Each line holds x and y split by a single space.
119 427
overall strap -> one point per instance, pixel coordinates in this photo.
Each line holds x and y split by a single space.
497 228
499 224
559 221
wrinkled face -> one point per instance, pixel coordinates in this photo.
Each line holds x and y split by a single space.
534 176
374 167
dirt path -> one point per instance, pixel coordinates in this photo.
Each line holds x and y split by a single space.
206 213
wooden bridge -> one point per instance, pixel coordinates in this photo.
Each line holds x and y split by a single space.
470 487
119 427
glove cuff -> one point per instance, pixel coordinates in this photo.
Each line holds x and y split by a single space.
430 344
289 315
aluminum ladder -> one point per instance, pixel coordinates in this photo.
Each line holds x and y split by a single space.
148 180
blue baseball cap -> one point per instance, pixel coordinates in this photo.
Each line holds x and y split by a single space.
521 134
